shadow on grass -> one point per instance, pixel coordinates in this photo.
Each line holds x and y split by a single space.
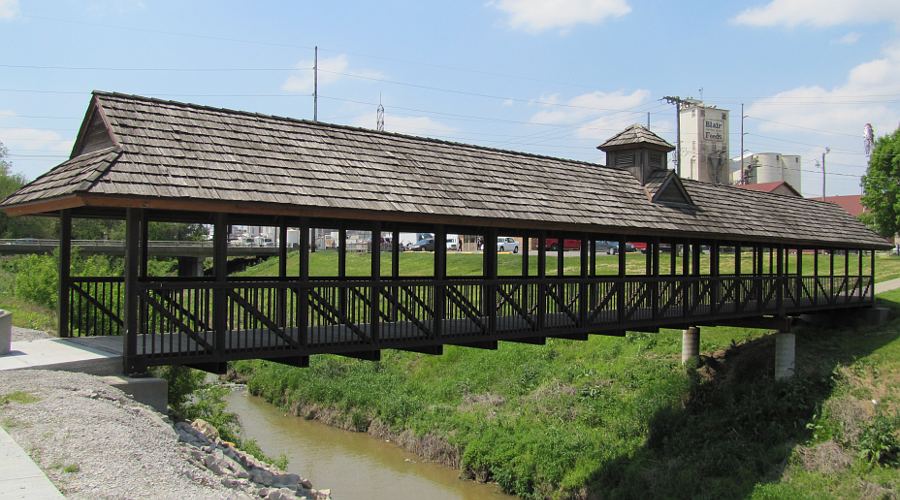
737 426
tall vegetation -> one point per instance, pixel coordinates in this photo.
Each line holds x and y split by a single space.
881 185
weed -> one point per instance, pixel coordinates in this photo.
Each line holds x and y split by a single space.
71 469
878 443
20 397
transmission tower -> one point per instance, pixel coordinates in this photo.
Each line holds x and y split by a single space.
379 116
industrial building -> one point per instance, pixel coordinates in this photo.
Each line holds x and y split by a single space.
764 168
704 143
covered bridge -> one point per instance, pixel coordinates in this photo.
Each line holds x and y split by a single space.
715 254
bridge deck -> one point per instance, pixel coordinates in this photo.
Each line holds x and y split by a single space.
272 319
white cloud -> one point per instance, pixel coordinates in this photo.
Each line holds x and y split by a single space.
820 13
848 39
865 97
9 9
412 125
535 16
35 140
596 115
331 69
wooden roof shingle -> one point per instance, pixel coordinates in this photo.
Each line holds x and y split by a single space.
183 153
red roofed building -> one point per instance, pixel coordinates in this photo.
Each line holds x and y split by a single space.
850 203
777 187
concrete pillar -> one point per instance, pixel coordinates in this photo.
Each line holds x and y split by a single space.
785 349
189 267
5 331
690 344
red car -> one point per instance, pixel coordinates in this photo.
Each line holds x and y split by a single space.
553 244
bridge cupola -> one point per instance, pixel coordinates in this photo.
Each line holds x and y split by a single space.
639 151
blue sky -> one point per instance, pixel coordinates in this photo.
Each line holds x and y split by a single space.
553 77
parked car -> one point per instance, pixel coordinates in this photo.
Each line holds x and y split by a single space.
612 247
507 244
453 242
426 245
553 244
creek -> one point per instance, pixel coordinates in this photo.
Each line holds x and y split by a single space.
353 465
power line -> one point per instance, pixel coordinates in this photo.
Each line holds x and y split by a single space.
802 127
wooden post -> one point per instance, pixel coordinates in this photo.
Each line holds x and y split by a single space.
282 273
685 277
592 271
799 285
620 283
490 272
542 280
780 280
65 271
815 292
654 273
583 284
343 292
440 278
846 278
375 290
561 257
526 305
695 268
145 245
758 276
220 268
872 275
715 279
132 258
395 272
739 280
303 288
859 271
832 298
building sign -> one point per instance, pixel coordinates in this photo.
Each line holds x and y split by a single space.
713 130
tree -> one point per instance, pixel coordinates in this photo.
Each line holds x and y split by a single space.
881 186
19 227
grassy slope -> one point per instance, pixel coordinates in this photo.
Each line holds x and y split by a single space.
619 415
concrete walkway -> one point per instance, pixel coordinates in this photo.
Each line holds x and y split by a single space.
887 286
93 355
20 477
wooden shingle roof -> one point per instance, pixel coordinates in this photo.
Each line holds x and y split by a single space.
634 135
170 155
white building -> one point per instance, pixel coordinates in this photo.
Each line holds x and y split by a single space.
704 143
761 168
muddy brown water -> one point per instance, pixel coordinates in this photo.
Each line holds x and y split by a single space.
353 465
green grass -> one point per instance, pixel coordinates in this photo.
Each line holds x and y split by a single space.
416 264
619 417
20 397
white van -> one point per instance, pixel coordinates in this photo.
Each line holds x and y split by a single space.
453 242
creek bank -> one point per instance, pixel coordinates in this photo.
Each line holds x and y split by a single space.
430 446
94 441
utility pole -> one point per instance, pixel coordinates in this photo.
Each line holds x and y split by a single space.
827 150
678 101
743 179
648 120
316 84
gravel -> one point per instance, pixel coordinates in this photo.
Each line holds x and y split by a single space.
93 441
27 334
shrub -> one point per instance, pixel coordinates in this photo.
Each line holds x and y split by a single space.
878 443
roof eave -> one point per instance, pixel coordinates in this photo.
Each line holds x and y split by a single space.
47 206
267 209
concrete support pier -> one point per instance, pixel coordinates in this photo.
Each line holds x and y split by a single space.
785 352
690 344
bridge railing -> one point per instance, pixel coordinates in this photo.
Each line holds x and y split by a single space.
262 317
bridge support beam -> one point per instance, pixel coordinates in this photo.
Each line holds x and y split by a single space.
785 354
190 267
690 344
